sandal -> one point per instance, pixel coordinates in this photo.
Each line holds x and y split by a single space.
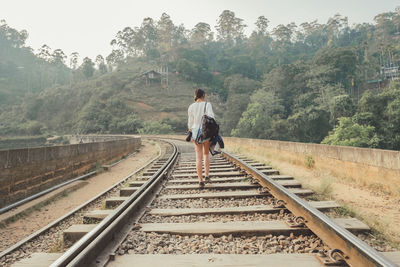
207 179
201 184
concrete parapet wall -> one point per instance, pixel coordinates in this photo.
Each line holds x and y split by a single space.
81 139
375 168
24 172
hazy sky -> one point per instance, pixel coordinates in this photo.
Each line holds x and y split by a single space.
88 26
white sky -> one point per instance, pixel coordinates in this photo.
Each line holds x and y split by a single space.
88 26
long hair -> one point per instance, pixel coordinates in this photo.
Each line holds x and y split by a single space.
198 93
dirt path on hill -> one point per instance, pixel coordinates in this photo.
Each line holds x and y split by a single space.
36 220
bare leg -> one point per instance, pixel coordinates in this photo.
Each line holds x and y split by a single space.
199 158
206 155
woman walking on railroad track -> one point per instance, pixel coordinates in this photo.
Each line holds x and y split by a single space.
195 113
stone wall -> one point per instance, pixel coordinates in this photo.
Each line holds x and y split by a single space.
24 172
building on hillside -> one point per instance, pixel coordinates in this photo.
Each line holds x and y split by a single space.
159 75
390 73
152 76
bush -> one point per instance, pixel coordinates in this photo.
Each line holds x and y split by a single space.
155 127
350 133
128 125
110 117
309 162
177 125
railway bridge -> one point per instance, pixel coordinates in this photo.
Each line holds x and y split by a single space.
267 204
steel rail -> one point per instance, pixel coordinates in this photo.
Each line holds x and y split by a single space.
23 201
56 222
356 252
87 249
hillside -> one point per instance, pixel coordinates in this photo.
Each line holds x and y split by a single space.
313 82
22 72
104 104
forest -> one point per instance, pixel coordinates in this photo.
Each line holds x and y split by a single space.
331 83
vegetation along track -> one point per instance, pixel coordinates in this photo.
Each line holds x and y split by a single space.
249 211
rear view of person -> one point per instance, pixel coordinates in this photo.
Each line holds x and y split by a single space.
195 113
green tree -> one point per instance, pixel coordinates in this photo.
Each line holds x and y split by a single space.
58 57
259 45
381 110
257 120
186 68
253 123
193 65
342 106
239 90
343 65
309 125
237 84
73 63
12 37
101 66
114 58
283 34
45 53
262 25
148 37
165 33
126 125
287 82
87 67
234 107
93 118
230 29
201 34
349 133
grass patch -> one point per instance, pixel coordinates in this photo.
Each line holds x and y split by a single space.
15 218
325 187
379 234
309 162
316 197
126 183
91 220
345 211
58 247
379 238
99 167
378 187
236 150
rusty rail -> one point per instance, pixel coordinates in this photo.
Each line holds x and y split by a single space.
94 247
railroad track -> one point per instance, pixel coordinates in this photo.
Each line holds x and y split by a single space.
249 214
50 237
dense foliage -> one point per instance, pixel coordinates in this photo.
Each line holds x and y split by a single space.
310 82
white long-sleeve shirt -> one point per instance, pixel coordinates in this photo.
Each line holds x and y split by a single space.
196 112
